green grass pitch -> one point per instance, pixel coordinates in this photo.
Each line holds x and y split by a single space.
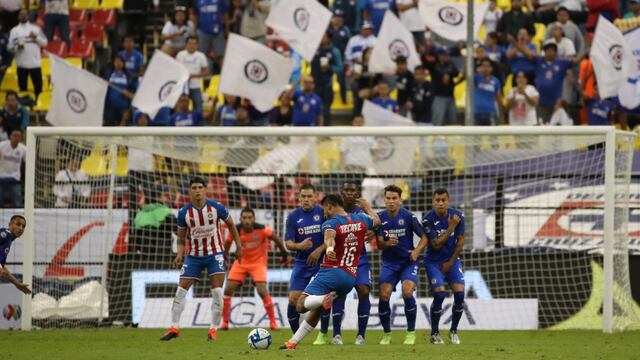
140 344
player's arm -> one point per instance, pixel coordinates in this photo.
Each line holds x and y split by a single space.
442 239
329 243
456 253
182 235
5 274
280 244
419 249
236 237
366 207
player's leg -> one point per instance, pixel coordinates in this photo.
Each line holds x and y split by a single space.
386 282
216 270
261 287
323 336
409 279
363 288
189 274
229 289
298 282
455 278
436 281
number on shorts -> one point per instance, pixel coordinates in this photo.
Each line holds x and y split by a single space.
220 260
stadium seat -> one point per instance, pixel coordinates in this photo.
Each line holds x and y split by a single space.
104 17
94 165
57 47
100 199
541 32
328 156
81 48
217 189
111 4
40 18
9 82
44 101
212 89
460 94
77 16
93 32
85 4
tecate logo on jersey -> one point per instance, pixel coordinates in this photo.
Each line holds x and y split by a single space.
350 227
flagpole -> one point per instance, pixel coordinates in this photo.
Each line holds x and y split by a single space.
468 121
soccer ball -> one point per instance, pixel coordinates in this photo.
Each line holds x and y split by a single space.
259 339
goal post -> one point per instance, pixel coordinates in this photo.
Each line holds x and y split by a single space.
549 207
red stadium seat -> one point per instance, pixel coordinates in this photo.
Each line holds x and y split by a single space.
81 48
77 16
217 189
104 17
93 32
100 199
57 47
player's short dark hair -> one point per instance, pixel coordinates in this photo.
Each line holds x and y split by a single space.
401 60
17 217
332 199
351 181
393 188
440 191
493 35
308 186
486 60
192 37
247 210
128 36
10 93
197 180
561 9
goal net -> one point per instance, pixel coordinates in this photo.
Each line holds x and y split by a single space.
547 212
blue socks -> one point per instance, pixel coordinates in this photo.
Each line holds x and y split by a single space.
364 308
436 310
293 317
410 311
324 321
458 308
384 311
336 314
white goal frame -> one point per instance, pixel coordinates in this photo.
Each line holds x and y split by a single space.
608 132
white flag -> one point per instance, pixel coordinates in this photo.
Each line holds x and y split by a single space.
375 115
394 40
162 84
301 23
253 71
449 19
629 93
78 95
611 58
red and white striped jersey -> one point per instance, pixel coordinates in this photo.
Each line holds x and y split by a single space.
203 228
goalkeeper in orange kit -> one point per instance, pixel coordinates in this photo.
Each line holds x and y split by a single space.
254 239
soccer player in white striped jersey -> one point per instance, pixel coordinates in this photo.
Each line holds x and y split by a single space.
199 223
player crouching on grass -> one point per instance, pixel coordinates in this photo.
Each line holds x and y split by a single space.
7 236
204 250
344 236
255 239
444 227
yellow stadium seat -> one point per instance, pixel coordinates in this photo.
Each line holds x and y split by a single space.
212 90
538 39
505 5
77 62
94 165
506 88
111 4
460 94
9 82
44 101
328 156
85 4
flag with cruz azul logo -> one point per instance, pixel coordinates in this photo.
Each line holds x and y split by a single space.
394 40
449 19
253 71
78 95
611 58
162 84
301 23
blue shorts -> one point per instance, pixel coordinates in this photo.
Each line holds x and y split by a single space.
193 265
331 279
437 278
301 276
363 275
391 273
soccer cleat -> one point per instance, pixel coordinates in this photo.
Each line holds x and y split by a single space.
327 302
212 336
386 339
410 339
288 345
359 340
273 325
453 337
224 327
337 340
170 334
322 339
436 339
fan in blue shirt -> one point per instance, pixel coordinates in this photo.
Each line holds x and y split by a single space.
550 74
487 92
307 105
375 10
444 227
7 236
520 54
182 116
133 59
600 111
383 100
399 261
210 14
303 235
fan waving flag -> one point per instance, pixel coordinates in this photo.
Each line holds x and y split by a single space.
162 84
611 57
301 23
629 92
253 71
449 19
78 95
394 40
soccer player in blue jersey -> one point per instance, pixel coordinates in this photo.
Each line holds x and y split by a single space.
444 227
303 235
344 235
199 224
7 236
399 261
350 193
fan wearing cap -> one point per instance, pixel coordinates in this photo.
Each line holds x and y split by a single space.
349 11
